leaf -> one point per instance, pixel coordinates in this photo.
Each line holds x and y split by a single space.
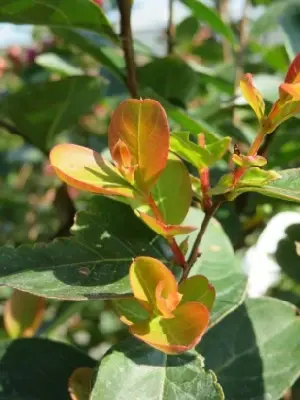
143 126
253 96
183 119
93 263
196 155
217 264
255 350
289 22
287 187
144 371
89 43
85 169
208 15
174 335
197 288
187 29
59 106
76 14
44 366
171 78
249 161
145 274
80 383
165 230
54 63
23 314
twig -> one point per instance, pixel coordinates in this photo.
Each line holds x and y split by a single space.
195 249
170 29
240 54
223 11
127 43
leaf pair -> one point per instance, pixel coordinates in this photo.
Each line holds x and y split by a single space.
288 104
167 316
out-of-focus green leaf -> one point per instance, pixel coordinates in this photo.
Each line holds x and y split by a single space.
33 369
290 23
40 111
251 360
187 29
139 371
54 63
171 78
208 15
76 14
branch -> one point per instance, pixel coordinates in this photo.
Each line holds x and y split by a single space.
195 249
240 54
127 43
170 29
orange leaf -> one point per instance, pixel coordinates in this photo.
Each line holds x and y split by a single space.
80 383
85 169
293 73
293 89
23 314
143 126
164 230
280 112
145 275
197 288
175 335
253 96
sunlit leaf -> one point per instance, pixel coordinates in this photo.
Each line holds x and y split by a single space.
85 169
163 229
130 310
145 275
143 126
197 288
253 96
175 335
23 314
249 161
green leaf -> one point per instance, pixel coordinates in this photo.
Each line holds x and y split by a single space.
94 263
270 17
34 369
172 192
217 264
171 78
54 63
137 371
290 23
255 350
89 43
187 29
287 187
196 155
76 14
208 15
42 110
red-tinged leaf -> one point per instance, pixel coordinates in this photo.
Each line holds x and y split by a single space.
293 89
143 126
85 169
197 288
249 161
23 314
130 310
145 275
80 383
280 112
164 230
175 335
293 74
253 96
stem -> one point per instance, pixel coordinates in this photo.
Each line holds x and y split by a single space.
179 256
170 29
222 6
204 179
127 43
195 249
240 54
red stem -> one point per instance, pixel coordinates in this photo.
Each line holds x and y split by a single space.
204 179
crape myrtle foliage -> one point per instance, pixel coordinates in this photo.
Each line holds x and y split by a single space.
167 315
